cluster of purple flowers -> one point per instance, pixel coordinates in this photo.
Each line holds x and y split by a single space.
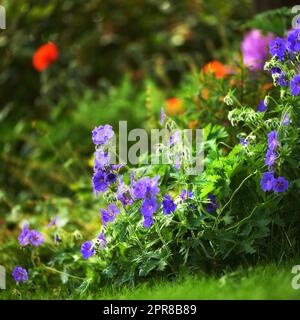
30 237
268 182
286 49
146 189
104 172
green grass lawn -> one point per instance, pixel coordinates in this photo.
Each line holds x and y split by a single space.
262 282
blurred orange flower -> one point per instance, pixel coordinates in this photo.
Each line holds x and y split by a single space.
217 68
174 107
44 56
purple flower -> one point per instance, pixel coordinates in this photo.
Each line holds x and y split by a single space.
52 222
162 116
295 85
280 184
24 236
277 47
102 240
99 182
262 107
255 49
149 206
168 204
266 181
148 221
281 81
102 159
276 70
110 177
212 205
109 214
244 142
270 157
186 194
102 134
286 119
272 140
20 274
140 188
144 187
36 238
123 194
293 43
175 137
87 249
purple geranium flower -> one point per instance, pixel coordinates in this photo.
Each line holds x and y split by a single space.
36 238
87 249
272 140
255 49
270 157
109 214
148 221
282 81
212 205
99 182
280 184
168 204
262 107
110 177
20 274
185 194
145 187
24 236
102 159
266 181
175 137
244 142
123 194
295 85
102 134
278 48
293 43
102 240
149 206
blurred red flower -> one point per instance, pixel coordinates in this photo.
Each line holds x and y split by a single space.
44 56
217 68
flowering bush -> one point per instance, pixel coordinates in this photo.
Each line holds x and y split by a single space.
159 219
